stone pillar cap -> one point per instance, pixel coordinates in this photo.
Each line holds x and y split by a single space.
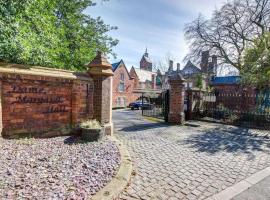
176 77
100 61
100 65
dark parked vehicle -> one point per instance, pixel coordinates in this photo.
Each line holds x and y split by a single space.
139 105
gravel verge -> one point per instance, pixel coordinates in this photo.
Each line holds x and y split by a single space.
55 168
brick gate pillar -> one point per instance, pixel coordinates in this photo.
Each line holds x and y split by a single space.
177 94
101 72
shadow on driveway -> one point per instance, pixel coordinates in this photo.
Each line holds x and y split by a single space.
232 139
143 127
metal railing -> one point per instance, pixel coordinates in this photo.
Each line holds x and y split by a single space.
249 110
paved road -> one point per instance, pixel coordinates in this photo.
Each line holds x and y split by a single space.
173 162
260 191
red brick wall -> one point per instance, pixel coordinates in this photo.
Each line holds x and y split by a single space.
82 101
43 106
227 88
234 88
135 77
129 83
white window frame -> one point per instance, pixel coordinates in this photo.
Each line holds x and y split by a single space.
120 85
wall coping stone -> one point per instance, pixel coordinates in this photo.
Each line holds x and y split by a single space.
42 71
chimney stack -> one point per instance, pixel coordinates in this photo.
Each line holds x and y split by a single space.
178 67
214 64
154 81
214 60
205 61
170 65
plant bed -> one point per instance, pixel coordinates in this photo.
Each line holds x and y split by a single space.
56 168
91 131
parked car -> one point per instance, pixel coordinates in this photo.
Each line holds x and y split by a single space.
139 105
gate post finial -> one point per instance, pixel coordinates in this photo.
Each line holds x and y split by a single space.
100 66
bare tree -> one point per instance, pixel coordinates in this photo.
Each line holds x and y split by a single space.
163 65
230 31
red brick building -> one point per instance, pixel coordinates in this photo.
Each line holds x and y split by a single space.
125 82
123 86
146 63
143 79
193 74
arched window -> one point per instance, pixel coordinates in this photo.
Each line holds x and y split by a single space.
122 77
121 86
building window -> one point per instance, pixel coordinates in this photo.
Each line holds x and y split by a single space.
122 77
121 87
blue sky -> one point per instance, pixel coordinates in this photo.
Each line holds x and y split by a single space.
155 24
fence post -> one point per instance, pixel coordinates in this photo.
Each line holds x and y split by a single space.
177 94
101 72
189 104
142 103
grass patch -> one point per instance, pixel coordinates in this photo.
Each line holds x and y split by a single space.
153 119
119 108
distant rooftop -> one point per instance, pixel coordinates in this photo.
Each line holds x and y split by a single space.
115 65
144 75
190 67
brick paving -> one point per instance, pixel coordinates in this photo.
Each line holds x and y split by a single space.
173 162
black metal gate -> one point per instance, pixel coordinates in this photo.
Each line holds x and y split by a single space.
241 109
158 107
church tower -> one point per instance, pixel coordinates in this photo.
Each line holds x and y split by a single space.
146 63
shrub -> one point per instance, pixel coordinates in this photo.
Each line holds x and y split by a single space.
90 124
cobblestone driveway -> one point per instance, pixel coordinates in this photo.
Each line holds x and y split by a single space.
173 162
